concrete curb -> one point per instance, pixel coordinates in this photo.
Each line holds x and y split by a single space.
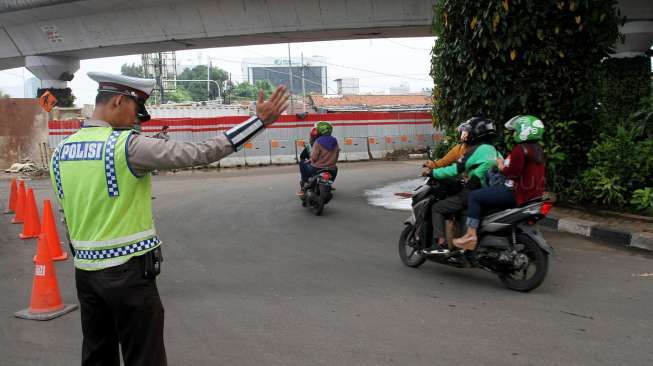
596 232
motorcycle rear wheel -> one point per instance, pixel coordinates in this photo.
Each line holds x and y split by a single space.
410 255
535 271
318 203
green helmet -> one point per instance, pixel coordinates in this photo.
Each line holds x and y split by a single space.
527 128
324 128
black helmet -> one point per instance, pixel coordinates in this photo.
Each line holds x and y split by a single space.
481 129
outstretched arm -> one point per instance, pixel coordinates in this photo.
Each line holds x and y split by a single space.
147 154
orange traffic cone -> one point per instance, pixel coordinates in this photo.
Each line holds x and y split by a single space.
32 225
46 301
11 205
49 228
20 204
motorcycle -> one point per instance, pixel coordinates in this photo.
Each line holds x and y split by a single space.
318 191
509 244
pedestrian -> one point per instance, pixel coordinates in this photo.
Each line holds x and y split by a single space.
163 134
101 176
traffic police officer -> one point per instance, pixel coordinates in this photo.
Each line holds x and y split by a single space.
101 176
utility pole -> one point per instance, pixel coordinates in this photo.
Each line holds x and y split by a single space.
290 79
227 93
161 78
303 86
208 79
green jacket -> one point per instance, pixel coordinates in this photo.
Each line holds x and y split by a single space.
476 162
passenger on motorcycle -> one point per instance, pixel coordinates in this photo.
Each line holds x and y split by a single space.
455 153
324 155
448 187
479 157
525 172
306 153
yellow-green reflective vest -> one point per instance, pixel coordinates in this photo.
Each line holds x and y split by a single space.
108 209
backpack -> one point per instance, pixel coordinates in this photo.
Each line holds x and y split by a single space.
495 177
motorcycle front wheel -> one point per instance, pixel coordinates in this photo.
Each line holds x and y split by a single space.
409 251
533 272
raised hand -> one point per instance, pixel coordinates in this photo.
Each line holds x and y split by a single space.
269 111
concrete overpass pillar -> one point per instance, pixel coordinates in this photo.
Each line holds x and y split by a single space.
54 71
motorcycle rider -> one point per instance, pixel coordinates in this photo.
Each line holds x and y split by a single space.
525 172
478 159
324 155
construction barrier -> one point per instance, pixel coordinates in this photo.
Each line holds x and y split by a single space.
234 160
257 152
354 148
376 147
283 151
361 135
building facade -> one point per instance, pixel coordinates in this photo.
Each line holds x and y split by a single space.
308 77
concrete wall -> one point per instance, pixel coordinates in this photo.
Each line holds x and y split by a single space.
23 127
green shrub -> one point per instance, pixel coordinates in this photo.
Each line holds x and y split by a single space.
624 156
620 164
597 187
643 118
643 200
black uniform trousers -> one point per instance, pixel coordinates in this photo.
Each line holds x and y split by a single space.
117 306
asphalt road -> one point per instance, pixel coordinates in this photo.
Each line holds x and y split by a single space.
252 278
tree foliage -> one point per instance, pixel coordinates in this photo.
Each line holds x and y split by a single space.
247 91
500 58
178 96
3 95
198 89
132 70
188 90
624 82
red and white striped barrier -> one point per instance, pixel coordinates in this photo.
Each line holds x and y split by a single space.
388 131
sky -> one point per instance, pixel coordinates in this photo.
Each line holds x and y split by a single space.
379 63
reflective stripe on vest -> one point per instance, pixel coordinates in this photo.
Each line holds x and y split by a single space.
110 164
106 243
55 170
119 251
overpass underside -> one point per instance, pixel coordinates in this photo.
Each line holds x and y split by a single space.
49 37
92 28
